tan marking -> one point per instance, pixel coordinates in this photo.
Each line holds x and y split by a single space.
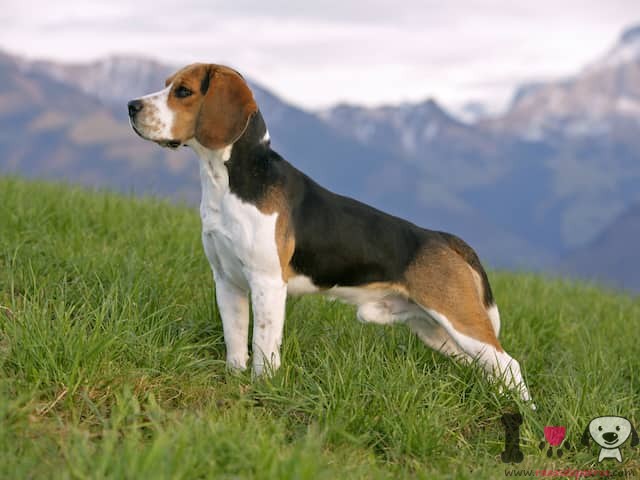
186 110
391 287
275 201
440 279
477 280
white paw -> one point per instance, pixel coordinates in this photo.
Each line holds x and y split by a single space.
235 364
263 367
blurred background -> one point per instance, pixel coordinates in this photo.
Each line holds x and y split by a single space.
515 125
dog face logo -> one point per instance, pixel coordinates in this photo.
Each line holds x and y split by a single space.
610 433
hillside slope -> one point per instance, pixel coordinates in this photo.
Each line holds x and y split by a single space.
612 258
111 364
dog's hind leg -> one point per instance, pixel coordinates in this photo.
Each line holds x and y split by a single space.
436 337
445 286
390 309
489 354
396 309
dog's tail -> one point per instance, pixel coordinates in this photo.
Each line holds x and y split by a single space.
482 280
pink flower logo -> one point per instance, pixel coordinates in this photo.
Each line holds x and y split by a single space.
555 435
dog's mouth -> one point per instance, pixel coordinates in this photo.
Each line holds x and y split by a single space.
611 442
172 144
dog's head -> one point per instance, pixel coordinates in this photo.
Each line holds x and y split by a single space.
206 102
610 432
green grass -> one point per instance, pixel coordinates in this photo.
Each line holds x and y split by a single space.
111 363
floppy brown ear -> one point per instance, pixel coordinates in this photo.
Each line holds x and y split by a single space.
226 109
634 437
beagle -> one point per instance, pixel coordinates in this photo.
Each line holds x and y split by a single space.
269 230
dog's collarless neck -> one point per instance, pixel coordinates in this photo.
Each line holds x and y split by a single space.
245 168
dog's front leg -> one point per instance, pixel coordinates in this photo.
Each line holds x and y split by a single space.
233 305
268 298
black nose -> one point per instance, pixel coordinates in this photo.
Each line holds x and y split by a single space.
610 437
134 107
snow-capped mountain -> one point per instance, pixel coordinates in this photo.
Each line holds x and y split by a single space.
413 125
112 80
452 156
473 111
413 132
601 100
626 50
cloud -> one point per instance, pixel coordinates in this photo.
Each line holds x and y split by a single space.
318 53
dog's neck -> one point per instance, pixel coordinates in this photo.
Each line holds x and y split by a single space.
221 169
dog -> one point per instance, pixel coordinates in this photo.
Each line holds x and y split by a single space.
268 230
610 433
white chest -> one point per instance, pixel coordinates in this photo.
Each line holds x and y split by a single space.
239 240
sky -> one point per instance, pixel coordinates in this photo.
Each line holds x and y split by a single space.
319 53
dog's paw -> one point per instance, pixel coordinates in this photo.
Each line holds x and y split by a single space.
236 365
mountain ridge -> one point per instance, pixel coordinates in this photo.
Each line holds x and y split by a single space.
523 201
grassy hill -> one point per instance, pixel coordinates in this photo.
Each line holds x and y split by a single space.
111 364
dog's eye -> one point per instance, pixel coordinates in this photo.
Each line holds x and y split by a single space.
618 428
182 92
600 428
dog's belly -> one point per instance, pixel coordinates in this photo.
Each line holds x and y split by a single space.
377 303
239 240
355 295
301 285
